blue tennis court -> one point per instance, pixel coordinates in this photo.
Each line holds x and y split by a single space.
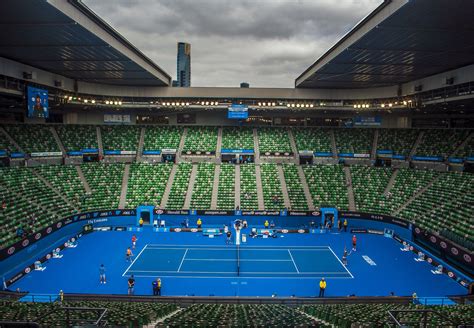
249 262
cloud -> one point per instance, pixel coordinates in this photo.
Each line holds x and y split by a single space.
267 43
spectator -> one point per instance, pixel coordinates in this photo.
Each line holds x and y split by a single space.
199 223
102 274
131 284
322 287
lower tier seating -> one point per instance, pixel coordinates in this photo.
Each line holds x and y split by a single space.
376 315
226 189
327 186
248 187
271 187
180 186
147 183
237 315
202 189
294 188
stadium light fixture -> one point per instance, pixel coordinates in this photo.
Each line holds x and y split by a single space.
405 102
355 106
293 105
120 103
106 102
260 104
311 105
187 104
273 104
382 105
207 103
390 105
86 101
93 101
288 105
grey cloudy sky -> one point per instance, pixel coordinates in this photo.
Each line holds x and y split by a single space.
267 43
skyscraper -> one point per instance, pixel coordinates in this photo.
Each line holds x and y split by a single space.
184 65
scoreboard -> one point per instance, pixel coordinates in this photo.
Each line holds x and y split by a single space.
238 112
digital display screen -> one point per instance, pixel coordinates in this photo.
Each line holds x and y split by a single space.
238 112
37 102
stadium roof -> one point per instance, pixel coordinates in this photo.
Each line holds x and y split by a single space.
400 41
67 38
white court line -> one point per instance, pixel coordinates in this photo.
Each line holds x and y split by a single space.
250 272
135 259
289 252
224 247
243 278
182 260
340 262
234 260
242 249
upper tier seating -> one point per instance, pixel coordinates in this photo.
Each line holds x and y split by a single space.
226 189
356 141
105 181
238 315
248 187
33 138
237 138
162 137
294 188
120 137
327 186
200 140
147 183
77 137
369 184
400 141
313 139
202 189
273 140
440 142
271 187
179 187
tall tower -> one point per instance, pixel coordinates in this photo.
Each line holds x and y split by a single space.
184 64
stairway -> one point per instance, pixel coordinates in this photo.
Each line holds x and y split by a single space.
10 139
391 182
181 145
284 188
304 184
141 142
215 186
85 184
412 198
219 145
350 191
416 144
333 144
58 141
294 148
462 144
189 192
123 194
256 147
169 184
99 141
258 178
162 319
237 186
373 153
56 191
